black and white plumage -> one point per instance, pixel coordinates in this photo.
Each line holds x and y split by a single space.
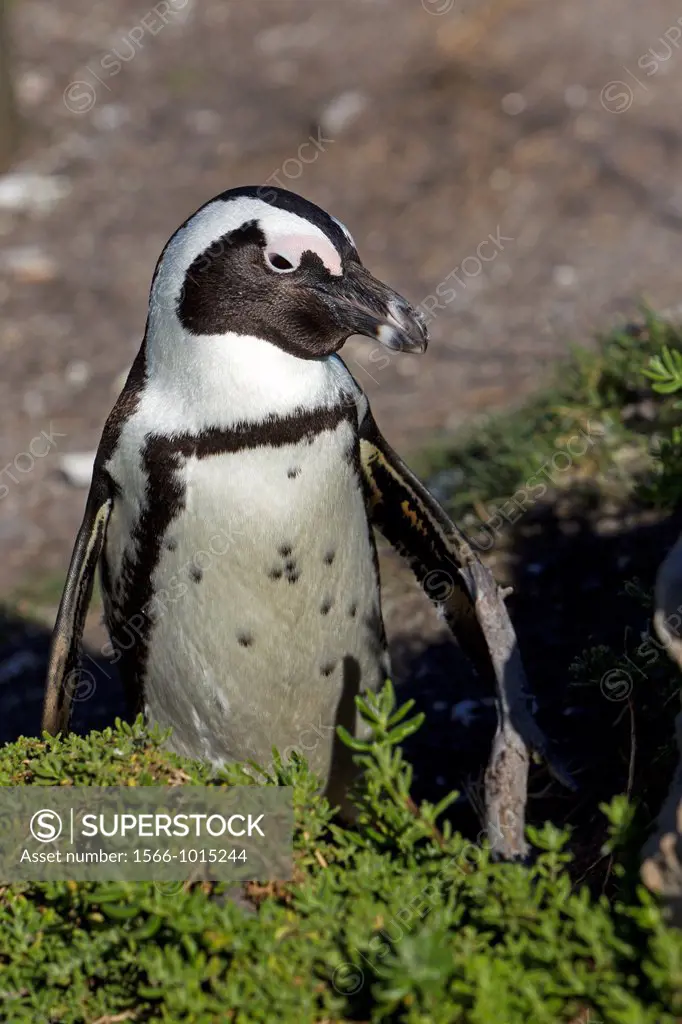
234 492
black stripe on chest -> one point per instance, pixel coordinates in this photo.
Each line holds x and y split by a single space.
133 604
273 432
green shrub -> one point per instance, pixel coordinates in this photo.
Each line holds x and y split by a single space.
600 392
665 486
396 919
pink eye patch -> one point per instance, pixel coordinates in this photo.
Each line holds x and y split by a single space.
283 249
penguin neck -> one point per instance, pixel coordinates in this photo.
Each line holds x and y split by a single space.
201 381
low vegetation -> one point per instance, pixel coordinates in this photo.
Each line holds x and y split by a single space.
397 919
400 918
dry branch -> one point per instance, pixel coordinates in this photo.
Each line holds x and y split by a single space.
506 777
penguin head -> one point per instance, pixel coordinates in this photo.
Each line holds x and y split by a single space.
263 262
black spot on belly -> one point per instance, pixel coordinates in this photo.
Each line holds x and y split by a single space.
275 574
285 550
294 472
196 573
326 606
132 594
329 557
245 639
352 611
327 668
171 544
291 569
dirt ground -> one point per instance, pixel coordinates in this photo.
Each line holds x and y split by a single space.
514 165
551 127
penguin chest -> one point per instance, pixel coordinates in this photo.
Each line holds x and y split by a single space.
266 617
270 540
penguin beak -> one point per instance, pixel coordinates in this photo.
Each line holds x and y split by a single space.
368 307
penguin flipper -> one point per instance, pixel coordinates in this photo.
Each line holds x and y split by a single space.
419 529
453 577
65 648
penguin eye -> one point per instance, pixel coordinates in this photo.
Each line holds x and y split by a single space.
280 263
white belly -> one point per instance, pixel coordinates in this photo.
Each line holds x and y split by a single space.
267 605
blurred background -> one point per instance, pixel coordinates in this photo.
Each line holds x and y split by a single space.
425 125
515 166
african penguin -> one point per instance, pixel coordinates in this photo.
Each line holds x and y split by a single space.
231 507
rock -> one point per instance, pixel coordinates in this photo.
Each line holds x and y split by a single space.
77 373
32 87
33 403
29 264
576 96
564 276
76 468
286 38
341 112
513 103
204 122
110 116
25 191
